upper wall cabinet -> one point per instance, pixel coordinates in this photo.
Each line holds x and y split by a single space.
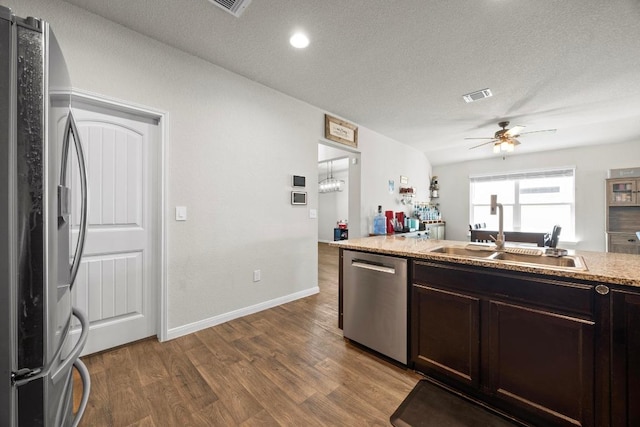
623 192
623 215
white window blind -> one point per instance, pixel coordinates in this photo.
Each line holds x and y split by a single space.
533 201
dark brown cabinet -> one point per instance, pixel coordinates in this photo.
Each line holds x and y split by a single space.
435 348
522 343
625 358
542 362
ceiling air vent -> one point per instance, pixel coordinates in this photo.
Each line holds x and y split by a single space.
479 94
234 7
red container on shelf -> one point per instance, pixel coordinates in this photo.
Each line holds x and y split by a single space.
389 215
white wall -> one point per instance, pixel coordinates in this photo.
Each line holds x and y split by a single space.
384 159
231 150
591 162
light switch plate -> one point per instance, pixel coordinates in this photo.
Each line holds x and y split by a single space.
181 213
313 213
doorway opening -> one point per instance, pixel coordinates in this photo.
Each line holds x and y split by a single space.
338 206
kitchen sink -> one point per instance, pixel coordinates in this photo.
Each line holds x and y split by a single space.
532 257
464 251
569 261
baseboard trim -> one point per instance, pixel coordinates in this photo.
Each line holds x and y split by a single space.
222 318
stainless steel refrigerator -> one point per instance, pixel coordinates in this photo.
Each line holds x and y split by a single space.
37 266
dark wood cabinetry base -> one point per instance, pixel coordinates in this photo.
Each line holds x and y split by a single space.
522 343
625 375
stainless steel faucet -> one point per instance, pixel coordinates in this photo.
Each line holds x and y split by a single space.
500 238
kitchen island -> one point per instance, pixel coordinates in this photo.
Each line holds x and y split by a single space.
548 341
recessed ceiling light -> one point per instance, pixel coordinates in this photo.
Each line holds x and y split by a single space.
299 41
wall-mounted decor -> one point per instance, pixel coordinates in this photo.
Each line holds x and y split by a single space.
340 131
298 198
298 181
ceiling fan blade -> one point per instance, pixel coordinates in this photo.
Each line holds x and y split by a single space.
536 131
481 138
515 141
484 143
514 131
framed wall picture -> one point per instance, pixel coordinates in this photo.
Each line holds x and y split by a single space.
340 131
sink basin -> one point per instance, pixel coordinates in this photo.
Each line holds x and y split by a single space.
574 262
464 251
512 256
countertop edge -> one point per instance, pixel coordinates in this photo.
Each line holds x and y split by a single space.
602 267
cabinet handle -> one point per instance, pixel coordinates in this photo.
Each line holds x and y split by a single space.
602 289
631 240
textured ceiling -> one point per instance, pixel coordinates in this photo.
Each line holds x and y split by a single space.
400 67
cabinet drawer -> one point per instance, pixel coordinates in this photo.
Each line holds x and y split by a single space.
563 296
624 238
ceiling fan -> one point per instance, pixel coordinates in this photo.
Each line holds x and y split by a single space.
505 140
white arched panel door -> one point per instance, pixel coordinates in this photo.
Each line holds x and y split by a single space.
117 283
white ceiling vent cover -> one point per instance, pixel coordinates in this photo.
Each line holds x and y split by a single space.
234 7
477 95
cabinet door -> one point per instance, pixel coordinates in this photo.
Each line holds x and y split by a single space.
625 358
622 192
445 340
542 364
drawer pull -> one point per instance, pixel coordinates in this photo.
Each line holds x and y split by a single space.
631 240
602 289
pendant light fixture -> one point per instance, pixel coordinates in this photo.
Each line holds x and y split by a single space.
330 184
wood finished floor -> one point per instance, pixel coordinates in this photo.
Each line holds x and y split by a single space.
286 366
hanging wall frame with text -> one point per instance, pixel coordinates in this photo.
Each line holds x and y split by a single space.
340 131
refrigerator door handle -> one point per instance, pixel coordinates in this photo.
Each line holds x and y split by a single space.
86 389
77 349
71 128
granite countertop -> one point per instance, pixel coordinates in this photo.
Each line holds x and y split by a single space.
603 267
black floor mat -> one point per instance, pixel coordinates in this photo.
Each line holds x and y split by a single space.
431 406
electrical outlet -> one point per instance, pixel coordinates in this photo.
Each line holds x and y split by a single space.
256 275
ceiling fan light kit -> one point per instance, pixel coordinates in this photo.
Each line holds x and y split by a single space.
503 147
504 140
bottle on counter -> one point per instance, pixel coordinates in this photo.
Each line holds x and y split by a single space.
380 222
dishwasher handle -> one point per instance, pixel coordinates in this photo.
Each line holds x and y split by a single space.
372 266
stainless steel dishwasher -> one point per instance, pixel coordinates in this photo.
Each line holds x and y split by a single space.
374 297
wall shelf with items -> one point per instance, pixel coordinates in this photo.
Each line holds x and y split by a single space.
434 187
623 215
407 195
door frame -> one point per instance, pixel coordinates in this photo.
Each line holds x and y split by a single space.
159 118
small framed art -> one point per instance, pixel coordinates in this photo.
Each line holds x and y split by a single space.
340 131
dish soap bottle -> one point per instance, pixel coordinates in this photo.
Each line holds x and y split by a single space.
379 223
